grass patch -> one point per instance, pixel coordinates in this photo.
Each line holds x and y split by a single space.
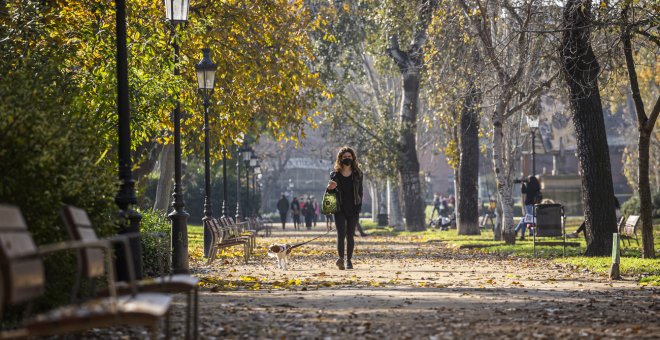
631 262
653 280
629 265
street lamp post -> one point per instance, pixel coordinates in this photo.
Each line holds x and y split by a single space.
256 171
247 155
205 82
224 182
176 11
254 160
259 185
241 151
126 194
533 123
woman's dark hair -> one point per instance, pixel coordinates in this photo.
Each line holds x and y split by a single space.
355 166
532 178
617 205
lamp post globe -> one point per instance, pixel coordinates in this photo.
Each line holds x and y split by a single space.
176 12
205 82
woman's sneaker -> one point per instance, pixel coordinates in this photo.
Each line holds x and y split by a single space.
349 264
340 263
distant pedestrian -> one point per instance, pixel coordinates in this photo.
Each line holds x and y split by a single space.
532 190
309 212
436 205
295 213
283 208
317 209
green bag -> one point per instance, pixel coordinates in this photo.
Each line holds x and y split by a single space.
329 204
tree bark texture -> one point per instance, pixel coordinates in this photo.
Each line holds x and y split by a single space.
409 164
580 68
164 188
467 218
645 199
395 208
410 63
645 126
503 187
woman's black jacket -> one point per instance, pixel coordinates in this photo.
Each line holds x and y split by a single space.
357 189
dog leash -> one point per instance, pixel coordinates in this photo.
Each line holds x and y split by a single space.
317 237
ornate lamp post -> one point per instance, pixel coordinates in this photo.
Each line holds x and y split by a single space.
254 160
126 194
241 152
247 155
177 14
259 185
533 123
256 170
224 182
205 82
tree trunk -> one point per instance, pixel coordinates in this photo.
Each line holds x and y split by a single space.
410 63
497 226
413 206
645 199
503 186
645 127
395 208
164 189
467 218
581 68
375 202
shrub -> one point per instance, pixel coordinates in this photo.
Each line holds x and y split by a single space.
155 250
631 206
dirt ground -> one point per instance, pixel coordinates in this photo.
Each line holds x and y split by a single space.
407 288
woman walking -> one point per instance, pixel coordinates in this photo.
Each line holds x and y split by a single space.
346 181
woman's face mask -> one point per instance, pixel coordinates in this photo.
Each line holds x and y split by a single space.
346 161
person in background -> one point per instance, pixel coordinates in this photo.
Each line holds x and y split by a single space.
436 205
532 190
295 213
317 210
308 211
283 208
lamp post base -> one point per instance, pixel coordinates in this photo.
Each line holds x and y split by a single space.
133 218
179 242
207 236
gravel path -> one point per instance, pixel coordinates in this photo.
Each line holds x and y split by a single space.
407 288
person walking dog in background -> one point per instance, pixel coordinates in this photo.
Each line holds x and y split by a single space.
346 181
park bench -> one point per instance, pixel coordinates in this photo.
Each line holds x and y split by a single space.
240 230
80 228
221 238
628 230
258 225
549 221
23 280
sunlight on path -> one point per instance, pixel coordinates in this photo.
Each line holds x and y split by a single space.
408 283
